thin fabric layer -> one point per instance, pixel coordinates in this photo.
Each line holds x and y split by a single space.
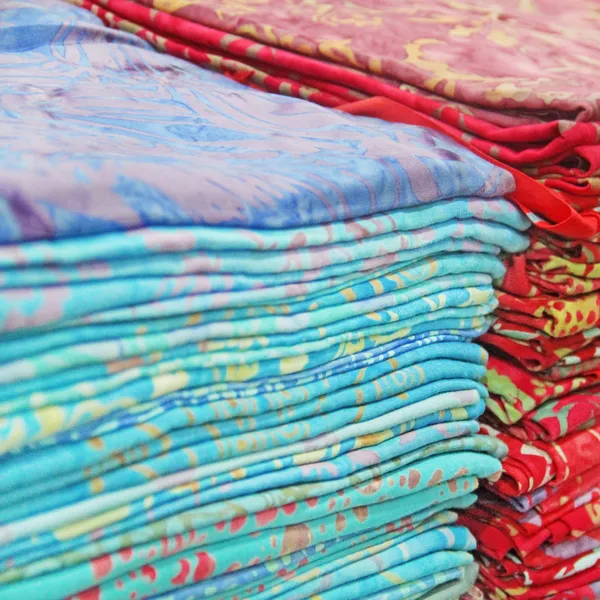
236 333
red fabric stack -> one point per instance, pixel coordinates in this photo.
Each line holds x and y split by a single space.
517 82
539 526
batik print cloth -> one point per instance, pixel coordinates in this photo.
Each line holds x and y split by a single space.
350 52
543 387
236 333
538 530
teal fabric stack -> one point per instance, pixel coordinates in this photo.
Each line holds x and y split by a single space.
236 355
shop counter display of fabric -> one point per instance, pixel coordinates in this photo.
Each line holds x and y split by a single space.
236 333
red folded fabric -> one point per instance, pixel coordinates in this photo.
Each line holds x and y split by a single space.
535 351
548 555
576 522
557 418
500 539
577 485
574 453
556 263
575 173
360 37
556 317
583 592
515 392
552 496
495 538
529 466
512 574
563 583
544 247
526 467
530 523
574 369
554 276
549 551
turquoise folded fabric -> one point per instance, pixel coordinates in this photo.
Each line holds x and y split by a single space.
237 353
308 566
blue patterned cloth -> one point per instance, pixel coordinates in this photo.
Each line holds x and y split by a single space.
176 145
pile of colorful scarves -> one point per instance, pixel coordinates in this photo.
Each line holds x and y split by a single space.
236 354
515 82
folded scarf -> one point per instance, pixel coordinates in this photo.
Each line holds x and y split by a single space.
515 392
504 532
531 465
340 410
533 350
247 128
305 565
552 495
543 575
453 237
531 522
500 536
555 317
170 495
557 418
325 314
282 507
577 585
549 555
174 35
574 364
191 447
366 572
529 275
582 592
582 252
364 43
156 243
351 572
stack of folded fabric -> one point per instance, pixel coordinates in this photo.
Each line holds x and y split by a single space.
538 529
236 354
473 72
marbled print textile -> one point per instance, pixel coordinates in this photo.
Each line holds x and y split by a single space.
469 70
